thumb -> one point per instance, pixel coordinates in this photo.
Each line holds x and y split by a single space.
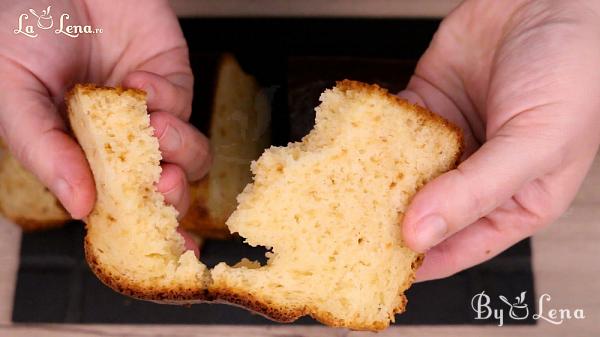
36 134
489 177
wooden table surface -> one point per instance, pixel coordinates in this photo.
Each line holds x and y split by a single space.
314 8
565 264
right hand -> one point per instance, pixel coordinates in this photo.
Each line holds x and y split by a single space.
521 78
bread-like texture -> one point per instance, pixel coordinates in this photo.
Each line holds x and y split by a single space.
239 133
25 200
330 208
131 242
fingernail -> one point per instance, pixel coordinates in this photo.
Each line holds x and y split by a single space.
170 141
62 190
430 231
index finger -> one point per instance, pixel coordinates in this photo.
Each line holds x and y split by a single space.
172 94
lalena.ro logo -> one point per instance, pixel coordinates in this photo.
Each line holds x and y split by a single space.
519 310
36 21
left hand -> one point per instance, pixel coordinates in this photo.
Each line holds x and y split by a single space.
141 46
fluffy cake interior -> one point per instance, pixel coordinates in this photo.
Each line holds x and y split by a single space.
330 209
131 242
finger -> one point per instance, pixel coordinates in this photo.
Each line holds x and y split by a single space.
480 184
486 238
36 134
189 242
164 94
174 186
182 144
475 244
539 203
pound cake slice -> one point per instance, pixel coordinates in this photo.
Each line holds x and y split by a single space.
239 132
330 210
131 244
25 200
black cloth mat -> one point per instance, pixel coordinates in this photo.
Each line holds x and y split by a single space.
294 59
55 285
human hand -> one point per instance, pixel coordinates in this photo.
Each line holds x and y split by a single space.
521 78
141 46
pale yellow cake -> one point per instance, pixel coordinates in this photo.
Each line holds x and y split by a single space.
132 244
329 208
25 200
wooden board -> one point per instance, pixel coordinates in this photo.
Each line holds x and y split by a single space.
314 8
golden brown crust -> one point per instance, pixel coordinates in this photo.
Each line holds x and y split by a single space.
253 301
85 88
29 225
282 314
172 295
250 302
180 296
277 313
346 85
285 315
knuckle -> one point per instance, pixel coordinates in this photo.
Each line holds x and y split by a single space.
180 103
179 173
477 200
538 208
23 151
